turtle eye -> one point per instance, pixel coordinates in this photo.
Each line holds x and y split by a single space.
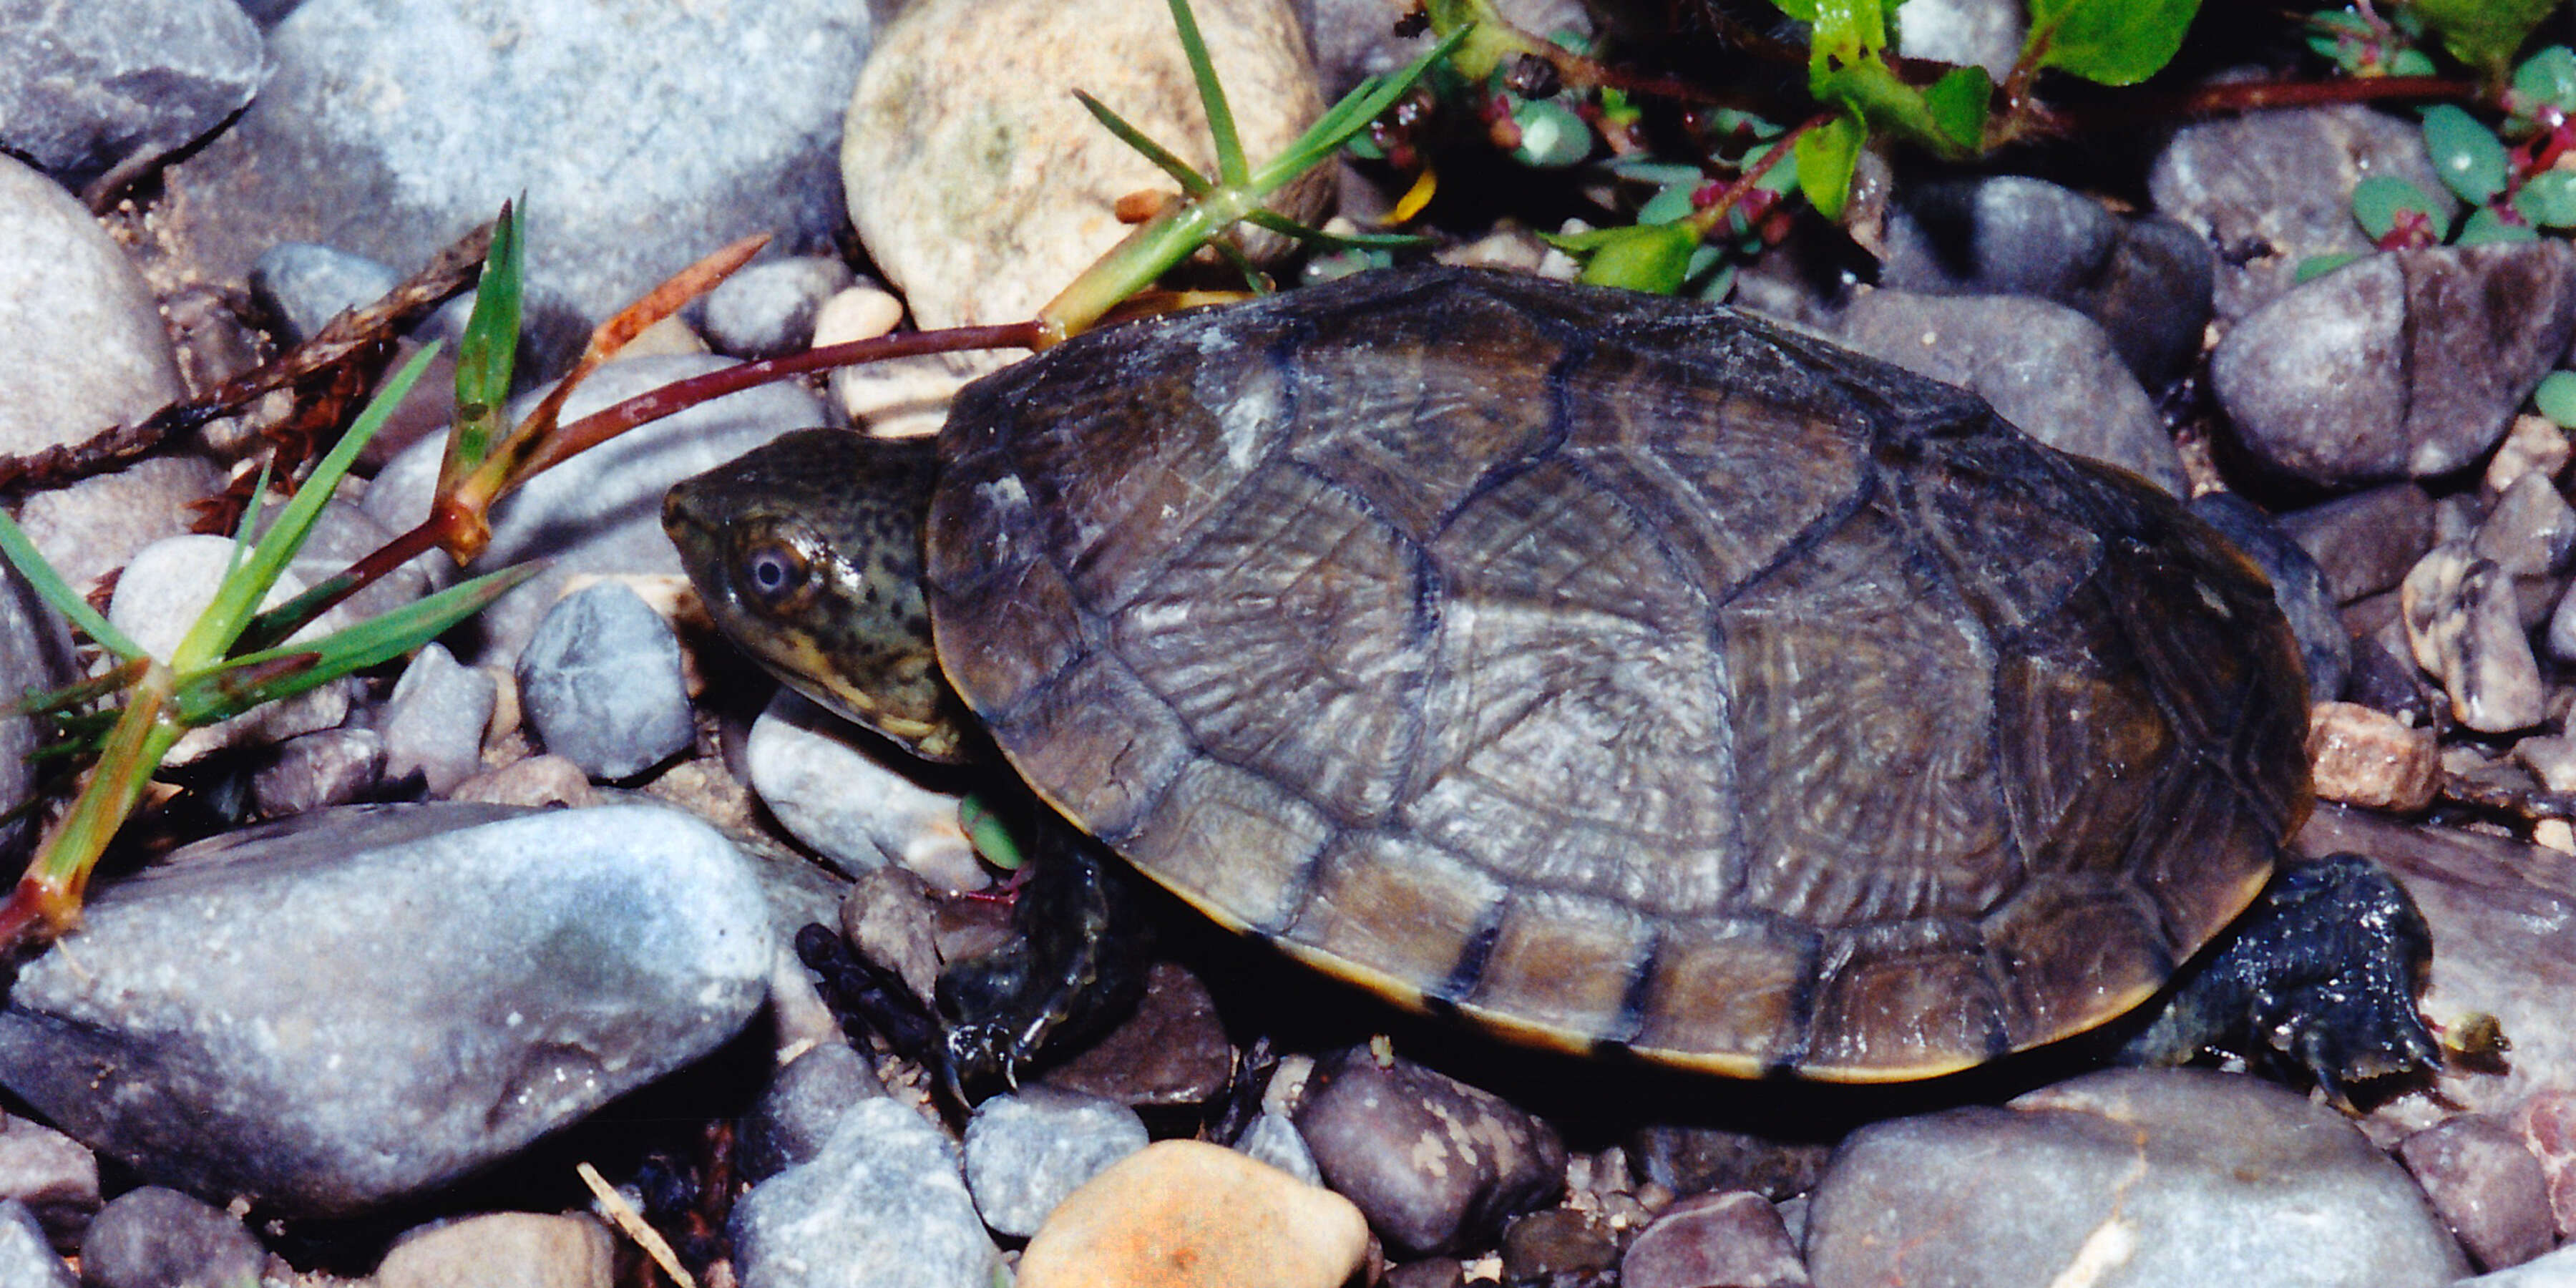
773 573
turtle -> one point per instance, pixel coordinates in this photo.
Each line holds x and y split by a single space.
1623 674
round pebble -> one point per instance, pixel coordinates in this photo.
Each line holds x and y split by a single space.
160 1238
881 1205
433 724
1437 1165
1186 1214
517 1249
600 681
771 307
830 791
1027 1150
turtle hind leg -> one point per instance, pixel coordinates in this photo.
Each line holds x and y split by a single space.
2321 973
1075 964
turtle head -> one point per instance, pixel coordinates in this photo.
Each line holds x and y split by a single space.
808 555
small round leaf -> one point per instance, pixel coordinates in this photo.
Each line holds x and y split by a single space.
2465 153
1552 136
2549 199
2484 227
2556 398
2377 201
2548 77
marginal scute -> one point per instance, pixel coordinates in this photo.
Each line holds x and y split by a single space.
2075 950
1096 744
1563 964
1916 994
1397 909
1728 991
1233 843
1004 644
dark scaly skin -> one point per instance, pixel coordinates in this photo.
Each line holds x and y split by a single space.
808 555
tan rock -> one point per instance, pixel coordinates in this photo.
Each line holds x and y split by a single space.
502 1250
2533 444
2464 627
1188 1214
2364 756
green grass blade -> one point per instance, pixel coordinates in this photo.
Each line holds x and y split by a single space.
1191 181
220 692
484 358
1350 116
237 600
1286 227
1231 169
50 587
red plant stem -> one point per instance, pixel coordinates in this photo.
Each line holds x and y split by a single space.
2248 96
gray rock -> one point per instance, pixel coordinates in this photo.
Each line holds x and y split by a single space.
830 791
1699 1160
160 1238
1979 33
157 602
2488 1187
117 83
1435 1164
1273 1139
50 1175
2530 532
26 1260
2271 190
600 681
2145 281
882 1206
2464 626
94 526
330 1014
887 918
745 107
83 335
2046 368
35 655
305 285
1729 1240
1028 1149
2298 586
2405 363
2126 1178
2556 1270
2364 543
2560 638
434 721
328 767
801 1108
768 308
502 1250
601 511
345 533
1560 1246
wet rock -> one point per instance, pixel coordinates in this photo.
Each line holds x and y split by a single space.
157 602
475 999
50 1175
94 526
2126 1177
502 1250
1729 1240
816 773
768 308
98 86
1437 1165
2361 756
2499 912
327 767
86 349
26 1260
2406 363
744 109
980 185
599 512
1561 1248
2298 586
2270 190
882 1205
2365 543
600 682
434 722
160 1238
1172 1051
1698 1160
802 1107
2145 282
1272 1138
2532 445
1027 1150
2464 626
1185 1213
2487 1187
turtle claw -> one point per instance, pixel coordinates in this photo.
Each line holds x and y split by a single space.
2321 976
1075 963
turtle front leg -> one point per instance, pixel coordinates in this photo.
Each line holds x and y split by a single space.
2323 971
1077 961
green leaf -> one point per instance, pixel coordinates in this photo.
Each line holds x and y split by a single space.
2376 202
50 587
1352 114
1192 182
1826 156
213 693
1802 10
990 836
1230 165
2471 161
1646 257
2556 398
490 347
1286 227
2548 199
1552 136
2411 62
2548 77
2484 227
2316 266
2485 34
2108 42
1958 102
1672 202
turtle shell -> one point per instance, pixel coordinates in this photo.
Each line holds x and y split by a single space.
1618 671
